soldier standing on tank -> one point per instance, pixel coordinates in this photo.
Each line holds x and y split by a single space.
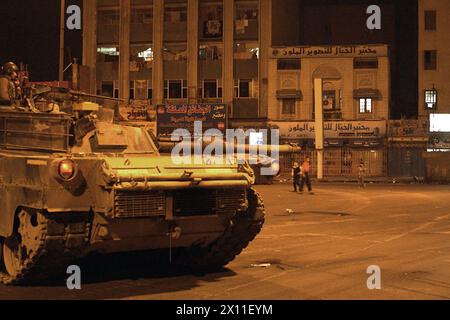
9 84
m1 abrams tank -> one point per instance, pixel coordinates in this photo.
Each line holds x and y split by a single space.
75 183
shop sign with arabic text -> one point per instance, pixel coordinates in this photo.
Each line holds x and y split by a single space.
332 129
172 117
329 52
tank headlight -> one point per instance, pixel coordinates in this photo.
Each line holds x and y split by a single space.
67 169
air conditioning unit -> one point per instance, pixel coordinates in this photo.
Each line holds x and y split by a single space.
328 103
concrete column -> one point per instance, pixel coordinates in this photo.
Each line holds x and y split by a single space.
124 49
90 41
228 53
265 43
318 99
192 38
158 43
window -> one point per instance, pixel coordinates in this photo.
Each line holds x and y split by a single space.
243 88
210 52
288 107
175 14
289 64
175 89
329 100
365 105
430 20
246 11
132 90
141 90
141 53
175 52
212 89
430 59
108 54
116 89
246 18
430 99
108 17
141 16
359 63
211 20
246 50
185 89
107 88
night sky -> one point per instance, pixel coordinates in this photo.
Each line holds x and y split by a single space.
29 33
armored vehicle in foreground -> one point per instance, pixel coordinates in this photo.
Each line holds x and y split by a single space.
75 183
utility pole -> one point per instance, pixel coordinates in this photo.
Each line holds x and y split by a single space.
318 103
61 40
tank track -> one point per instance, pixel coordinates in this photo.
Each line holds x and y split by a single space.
243 229
62 241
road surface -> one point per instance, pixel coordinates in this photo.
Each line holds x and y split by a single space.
312 247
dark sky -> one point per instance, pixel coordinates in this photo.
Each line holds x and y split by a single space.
29 33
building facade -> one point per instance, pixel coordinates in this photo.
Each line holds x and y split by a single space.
180 51
434 71
356 82
434 84
434 57
204 51
355 94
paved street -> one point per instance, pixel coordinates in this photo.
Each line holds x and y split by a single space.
320 251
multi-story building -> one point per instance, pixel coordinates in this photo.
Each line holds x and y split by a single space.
434 84
180 51
356 82
355 94
434 57
230 52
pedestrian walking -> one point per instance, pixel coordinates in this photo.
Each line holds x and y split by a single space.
362 175
296 172
306 179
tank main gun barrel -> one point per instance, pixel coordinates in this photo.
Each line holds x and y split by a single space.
167 146
44 90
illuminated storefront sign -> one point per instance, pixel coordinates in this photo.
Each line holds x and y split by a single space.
333 129
330 52
440 122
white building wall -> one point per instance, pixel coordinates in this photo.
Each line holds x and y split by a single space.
347 80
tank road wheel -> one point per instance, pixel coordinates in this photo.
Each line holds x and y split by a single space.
242 230
23 246
42 246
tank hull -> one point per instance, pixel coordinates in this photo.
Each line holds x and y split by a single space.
62 202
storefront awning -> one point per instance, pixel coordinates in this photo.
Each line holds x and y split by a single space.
367 93
289 94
